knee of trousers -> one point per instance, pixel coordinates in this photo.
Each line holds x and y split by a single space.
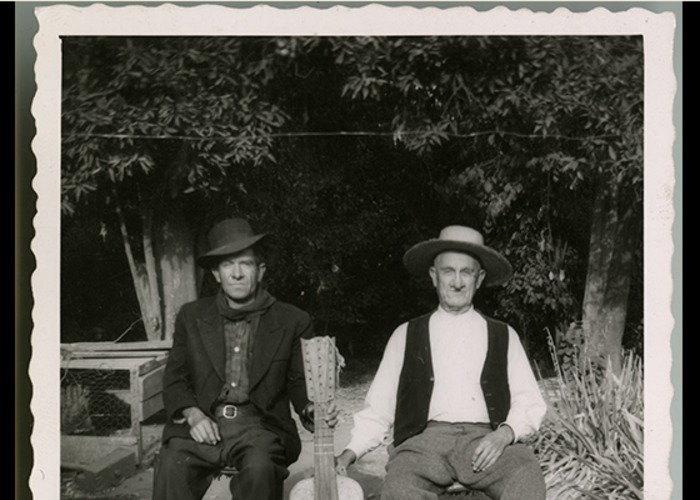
522 456
171 457
262 469
395 482
524 462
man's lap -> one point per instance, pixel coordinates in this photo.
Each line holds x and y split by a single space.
241 443
442 453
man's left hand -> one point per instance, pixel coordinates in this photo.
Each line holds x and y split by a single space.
491 447
331 417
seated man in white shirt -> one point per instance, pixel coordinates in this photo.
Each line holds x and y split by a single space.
455 386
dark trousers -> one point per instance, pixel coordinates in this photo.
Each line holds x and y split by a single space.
422 467
185 468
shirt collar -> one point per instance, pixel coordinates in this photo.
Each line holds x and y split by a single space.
470 314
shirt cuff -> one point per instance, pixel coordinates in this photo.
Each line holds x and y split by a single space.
521 430
506 424
357 448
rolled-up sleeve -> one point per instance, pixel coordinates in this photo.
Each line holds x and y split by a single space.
527 406
375 420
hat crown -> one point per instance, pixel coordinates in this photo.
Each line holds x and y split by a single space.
228 237
421 256
463 234
229 231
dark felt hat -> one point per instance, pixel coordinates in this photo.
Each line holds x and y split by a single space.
228 237
421 256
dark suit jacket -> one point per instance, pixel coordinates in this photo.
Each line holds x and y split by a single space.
195 371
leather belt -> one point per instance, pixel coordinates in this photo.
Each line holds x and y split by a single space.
231 411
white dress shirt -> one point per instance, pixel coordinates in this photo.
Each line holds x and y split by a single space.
458 345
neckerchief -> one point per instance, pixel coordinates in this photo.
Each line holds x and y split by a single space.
262 302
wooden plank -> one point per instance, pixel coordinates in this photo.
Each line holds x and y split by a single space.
144 365
146 355
151 406
103 363
109 471
118 346
152 383
153 364
88 449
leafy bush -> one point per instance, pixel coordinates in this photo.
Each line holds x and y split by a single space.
592 444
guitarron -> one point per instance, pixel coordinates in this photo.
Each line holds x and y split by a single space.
322 363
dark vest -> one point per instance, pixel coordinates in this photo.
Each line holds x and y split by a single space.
417 380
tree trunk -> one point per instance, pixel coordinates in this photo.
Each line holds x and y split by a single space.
177 267
154 329
608 277
150 308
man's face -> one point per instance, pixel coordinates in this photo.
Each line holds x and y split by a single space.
456 277
240 276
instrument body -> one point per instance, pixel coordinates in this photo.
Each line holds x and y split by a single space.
346 489
322 364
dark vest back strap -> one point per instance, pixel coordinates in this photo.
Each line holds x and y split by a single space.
417 378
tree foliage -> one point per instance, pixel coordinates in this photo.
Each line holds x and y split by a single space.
542 128
350 149
131 103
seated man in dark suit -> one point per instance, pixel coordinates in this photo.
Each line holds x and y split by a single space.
234 368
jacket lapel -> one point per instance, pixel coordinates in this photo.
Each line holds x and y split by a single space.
211 331
267 340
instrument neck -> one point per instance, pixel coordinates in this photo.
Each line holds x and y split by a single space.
324 456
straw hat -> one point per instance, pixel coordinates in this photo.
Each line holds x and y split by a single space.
420 257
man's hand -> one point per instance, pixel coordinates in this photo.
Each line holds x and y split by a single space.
331 416
202 429
343 461
491 447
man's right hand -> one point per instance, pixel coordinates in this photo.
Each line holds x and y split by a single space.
202 429
343 461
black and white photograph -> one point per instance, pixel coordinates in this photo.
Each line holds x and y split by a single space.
352 253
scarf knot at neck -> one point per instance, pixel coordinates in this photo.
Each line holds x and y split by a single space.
260 304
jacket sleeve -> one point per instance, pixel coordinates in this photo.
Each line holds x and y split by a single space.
296 383
178 392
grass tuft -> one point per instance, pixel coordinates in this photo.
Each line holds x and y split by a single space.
591 446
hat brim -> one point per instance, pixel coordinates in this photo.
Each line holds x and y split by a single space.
206 260
420 257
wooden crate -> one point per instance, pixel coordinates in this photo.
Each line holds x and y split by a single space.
131 374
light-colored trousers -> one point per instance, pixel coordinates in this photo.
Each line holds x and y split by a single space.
422 467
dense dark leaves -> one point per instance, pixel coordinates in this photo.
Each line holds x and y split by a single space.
529 125
129 102
509 134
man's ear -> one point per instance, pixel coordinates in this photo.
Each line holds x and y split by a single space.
261 271
217 275
480 279
433 275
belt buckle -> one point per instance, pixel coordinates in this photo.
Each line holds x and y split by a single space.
229 411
